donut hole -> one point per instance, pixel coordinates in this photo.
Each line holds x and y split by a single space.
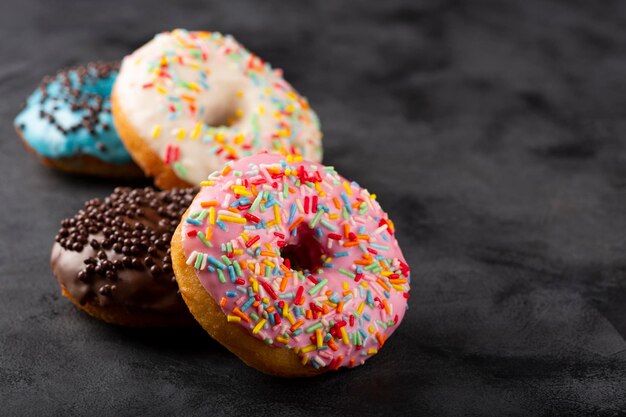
222 107
305 253
222 116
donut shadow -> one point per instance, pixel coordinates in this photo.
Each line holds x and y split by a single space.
191 340
192 346
77 180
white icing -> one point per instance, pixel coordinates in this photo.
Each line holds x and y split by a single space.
223 80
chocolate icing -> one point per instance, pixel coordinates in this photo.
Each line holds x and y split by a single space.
116 251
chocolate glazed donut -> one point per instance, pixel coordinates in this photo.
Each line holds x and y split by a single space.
112 259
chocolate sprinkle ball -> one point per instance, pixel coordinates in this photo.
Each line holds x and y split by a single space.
89 103
113 256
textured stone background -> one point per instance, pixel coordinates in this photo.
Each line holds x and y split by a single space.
495 135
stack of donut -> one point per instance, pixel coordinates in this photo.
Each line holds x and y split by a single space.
290 266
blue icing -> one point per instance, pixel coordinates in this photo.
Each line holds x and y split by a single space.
68 134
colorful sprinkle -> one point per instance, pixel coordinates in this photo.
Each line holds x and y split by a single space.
337 314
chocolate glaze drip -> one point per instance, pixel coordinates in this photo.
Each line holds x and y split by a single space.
117 250
89 104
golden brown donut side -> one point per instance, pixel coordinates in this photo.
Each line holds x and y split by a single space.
270 360
152 165
86 165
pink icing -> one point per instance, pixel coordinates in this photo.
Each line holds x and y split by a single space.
338 315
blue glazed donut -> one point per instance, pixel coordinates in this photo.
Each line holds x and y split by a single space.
67 122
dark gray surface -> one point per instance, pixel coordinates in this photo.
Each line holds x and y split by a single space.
493 132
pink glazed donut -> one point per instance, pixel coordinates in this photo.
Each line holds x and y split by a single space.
290 266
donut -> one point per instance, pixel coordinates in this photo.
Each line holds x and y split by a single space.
112 259
67 123
186 103
291 267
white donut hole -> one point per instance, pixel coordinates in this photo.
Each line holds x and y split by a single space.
221 104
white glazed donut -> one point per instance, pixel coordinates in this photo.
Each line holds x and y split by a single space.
200 99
